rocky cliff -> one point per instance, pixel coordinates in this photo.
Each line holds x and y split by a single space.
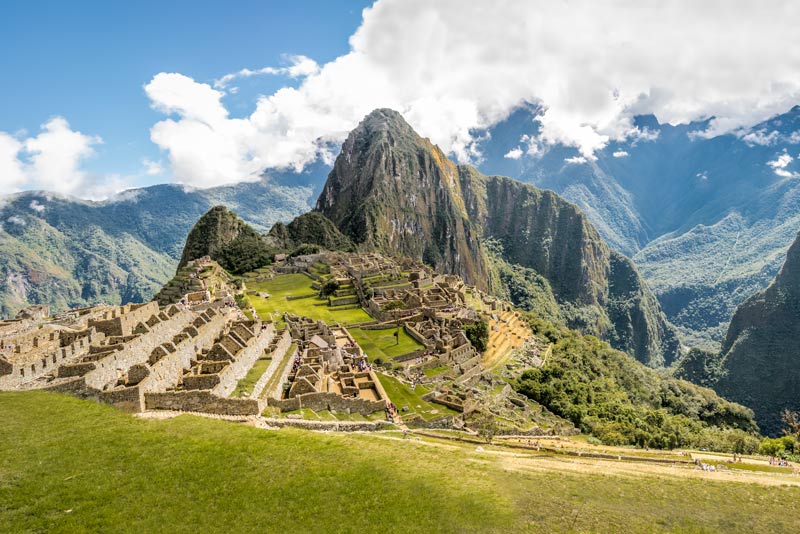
393 191
760 357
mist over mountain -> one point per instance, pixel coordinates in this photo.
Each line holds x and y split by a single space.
707 221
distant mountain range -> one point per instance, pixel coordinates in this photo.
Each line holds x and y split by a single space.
68 252
707 221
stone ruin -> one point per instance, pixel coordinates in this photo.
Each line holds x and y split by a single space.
328 372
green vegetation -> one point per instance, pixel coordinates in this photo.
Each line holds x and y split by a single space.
523 286
246 384
436 371
382 344
310 229
403 396
478 335
606 393
74 466
328 288
703 367
227 239
283 290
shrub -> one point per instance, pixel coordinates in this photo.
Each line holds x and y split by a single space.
478 335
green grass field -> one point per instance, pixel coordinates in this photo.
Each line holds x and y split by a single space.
68 465
293 285
382 343
403 396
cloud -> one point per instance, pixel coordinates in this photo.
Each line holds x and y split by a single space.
620 154
36 206
760 137
779 165
299 66
514 153
152 168
589 66
51 160
576 160
16 219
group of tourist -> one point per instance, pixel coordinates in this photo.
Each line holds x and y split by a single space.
391 412
364 366
298 361
778 462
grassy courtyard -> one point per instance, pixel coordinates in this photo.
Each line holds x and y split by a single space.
68 465
403 396
382 343
297 285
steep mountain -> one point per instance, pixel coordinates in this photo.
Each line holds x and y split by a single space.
68 252
393 191
706 219
228 240
311 228
760 360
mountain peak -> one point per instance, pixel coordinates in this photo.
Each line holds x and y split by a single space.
225 238
394 192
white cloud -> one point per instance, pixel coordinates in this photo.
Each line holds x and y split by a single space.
576 160
794 138
12 175
16 219
299 66
779 165
36 206
152 168
590 66
514 153
51 160
760 137
620 154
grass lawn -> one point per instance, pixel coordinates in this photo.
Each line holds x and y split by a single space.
403 396
382 343
293 285
246 384
68 465
436 371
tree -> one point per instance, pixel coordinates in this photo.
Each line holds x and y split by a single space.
478 335
329 288
792 422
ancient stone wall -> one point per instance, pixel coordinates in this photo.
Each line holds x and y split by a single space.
281 347
238 369
33 366
200 401
125 320
108 370
329 401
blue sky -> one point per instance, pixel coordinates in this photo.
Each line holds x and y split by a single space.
143 77
89 61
